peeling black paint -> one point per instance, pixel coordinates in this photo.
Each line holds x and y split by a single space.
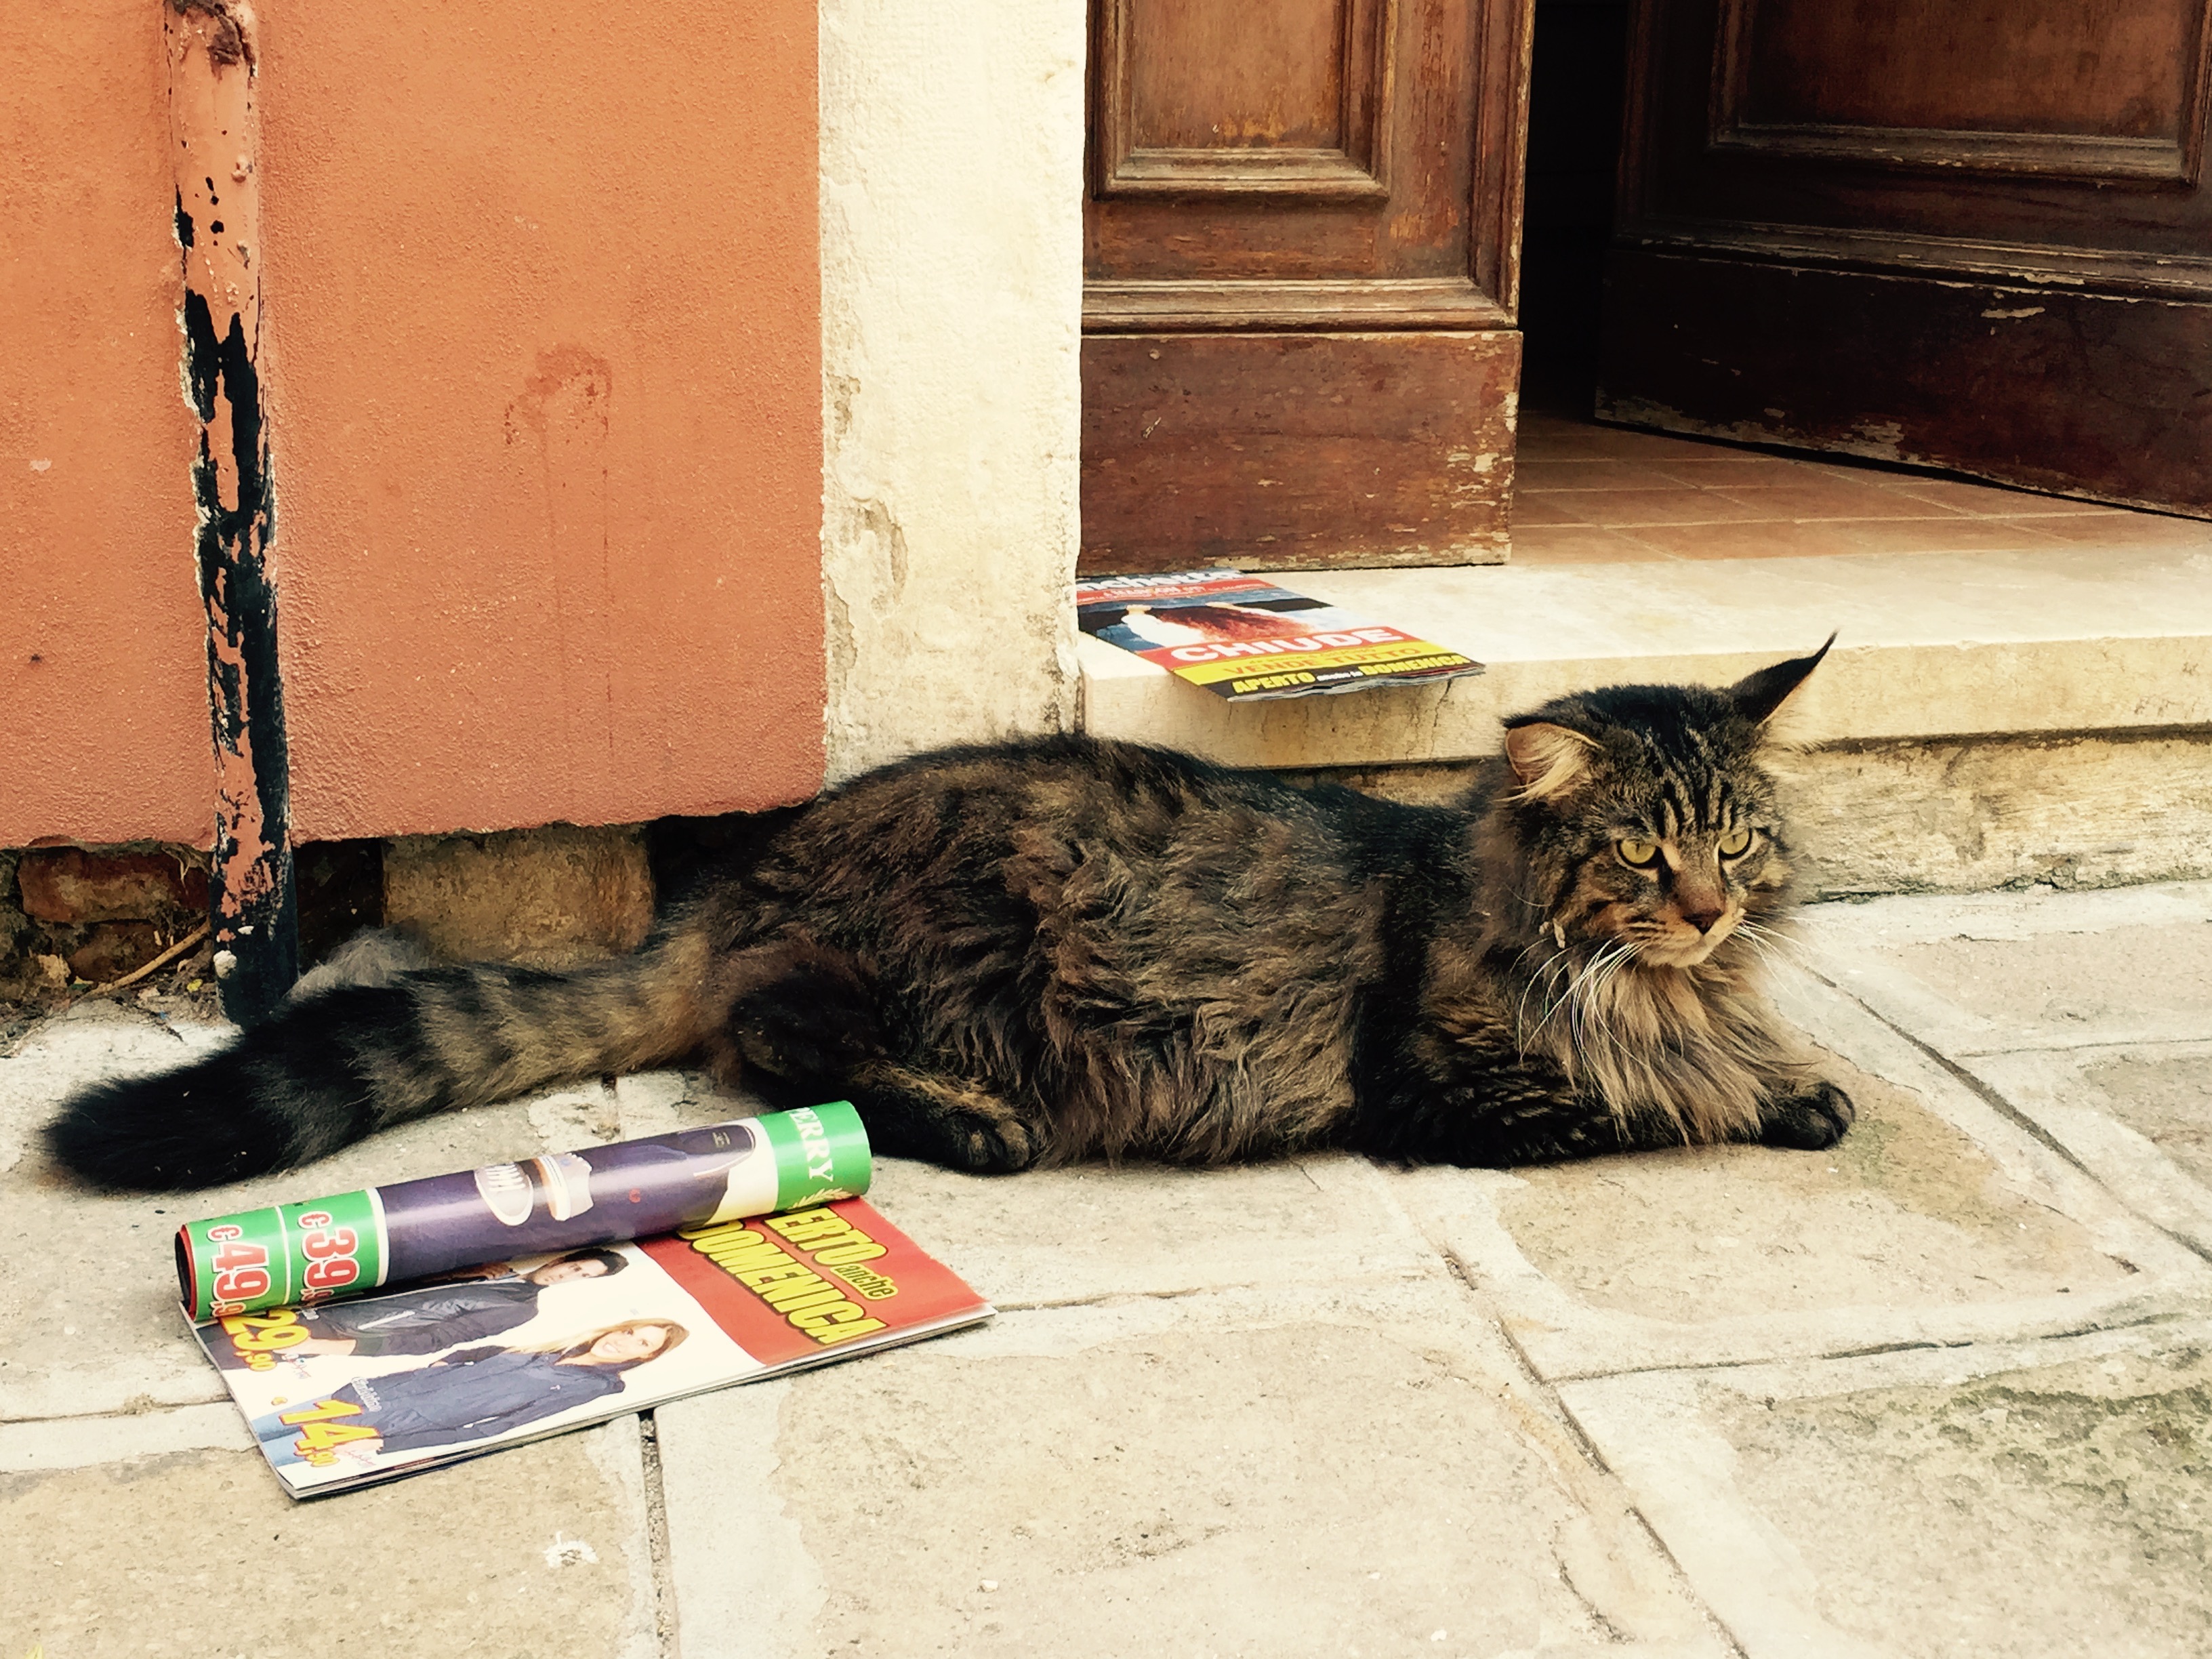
203 362
250 898
184 222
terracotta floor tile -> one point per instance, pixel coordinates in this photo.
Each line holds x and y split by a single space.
1579 545
1951 535
1646 445
1533 510
1755 540
2119 527
1684 504
1733 471
1535 475
1835 496
1546 438
1983 501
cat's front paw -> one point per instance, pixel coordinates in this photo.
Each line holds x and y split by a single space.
1810 1122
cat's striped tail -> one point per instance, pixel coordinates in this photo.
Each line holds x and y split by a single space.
344 1062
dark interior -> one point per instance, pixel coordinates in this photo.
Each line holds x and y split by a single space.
1577 84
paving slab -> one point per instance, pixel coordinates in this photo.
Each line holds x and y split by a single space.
44 1443
1063 1236
1997 972
1341 1469
1939 1218
2088 1016
2162 1094
2140 1119
542 1550
1998 1502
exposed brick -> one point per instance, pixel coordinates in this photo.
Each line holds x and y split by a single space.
70 884
113 948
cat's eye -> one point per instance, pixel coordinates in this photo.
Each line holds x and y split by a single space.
1641 854
1735 843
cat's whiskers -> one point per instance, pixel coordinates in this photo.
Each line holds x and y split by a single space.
1585 1021
1775 949
1604 987
1758 932
1521 1035
1576 998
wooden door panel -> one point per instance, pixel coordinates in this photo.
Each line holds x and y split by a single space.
1288 451
1977 191
1744 114
2047 388
1865 71
1253 139
1337 166
1195 97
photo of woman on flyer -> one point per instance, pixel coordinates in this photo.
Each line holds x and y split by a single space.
445 1316
470 1395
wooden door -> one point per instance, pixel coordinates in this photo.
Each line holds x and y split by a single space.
1970 233
1300 253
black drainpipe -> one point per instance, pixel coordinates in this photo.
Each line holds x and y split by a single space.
251 906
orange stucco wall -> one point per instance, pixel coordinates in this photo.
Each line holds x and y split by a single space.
103 663
547 408
542 294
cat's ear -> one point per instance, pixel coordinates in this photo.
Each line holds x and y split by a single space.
1547 758
1759 695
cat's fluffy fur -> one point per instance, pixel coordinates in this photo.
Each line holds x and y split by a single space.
1063 948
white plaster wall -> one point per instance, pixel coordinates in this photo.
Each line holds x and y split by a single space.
951 311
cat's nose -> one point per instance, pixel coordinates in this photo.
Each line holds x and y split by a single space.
1702 921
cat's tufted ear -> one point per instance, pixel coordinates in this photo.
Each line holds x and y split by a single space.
1547 758
1758 695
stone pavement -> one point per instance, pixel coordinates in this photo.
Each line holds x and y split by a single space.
1945 1390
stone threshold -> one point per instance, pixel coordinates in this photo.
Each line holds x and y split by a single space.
2072 639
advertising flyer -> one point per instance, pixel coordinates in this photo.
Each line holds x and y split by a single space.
1245 639
374 1333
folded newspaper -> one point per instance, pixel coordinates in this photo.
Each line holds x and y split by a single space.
1245 639
377 1332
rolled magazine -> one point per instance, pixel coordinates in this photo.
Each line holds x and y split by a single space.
379 1333
350 1243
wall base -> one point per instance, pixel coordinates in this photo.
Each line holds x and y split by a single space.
1962 815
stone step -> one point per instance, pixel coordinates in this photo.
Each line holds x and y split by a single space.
2075 639
1992 720
1985 720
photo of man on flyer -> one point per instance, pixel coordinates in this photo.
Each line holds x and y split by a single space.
471 1395
438 1316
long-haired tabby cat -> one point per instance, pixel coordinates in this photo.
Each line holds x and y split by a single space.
1040 952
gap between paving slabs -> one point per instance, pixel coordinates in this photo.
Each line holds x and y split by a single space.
2117 1081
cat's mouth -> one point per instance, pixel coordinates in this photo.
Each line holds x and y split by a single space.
1682 945
1668 944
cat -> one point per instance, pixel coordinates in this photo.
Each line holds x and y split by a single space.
1065 948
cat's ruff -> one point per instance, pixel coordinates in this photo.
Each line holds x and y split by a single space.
1068 948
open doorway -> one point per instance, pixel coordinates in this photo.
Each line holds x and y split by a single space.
1962 234
1588 493
1579 81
